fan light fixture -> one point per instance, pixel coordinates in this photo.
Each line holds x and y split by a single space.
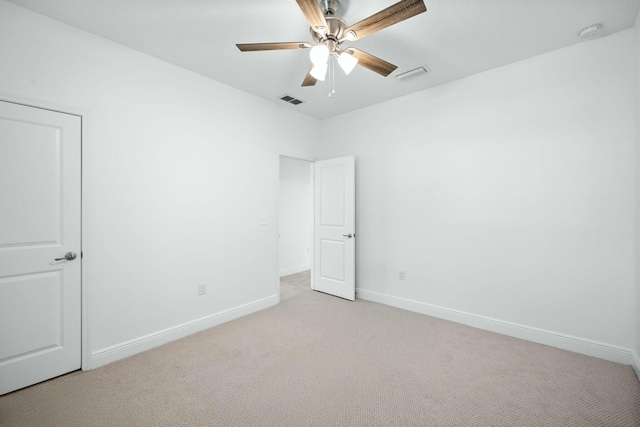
319 71
347 62
319 54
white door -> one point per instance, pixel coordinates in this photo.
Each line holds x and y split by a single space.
40 217
334 234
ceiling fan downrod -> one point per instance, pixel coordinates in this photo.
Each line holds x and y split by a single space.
329 7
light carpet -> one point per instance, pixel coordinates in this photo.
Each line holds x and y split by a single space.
317 360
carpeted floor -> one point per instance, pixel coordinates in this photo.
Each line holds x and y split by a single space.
317 360
295 285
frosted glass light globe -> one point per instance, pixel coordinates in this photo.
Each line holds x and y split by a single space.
347 62
319 54
319 71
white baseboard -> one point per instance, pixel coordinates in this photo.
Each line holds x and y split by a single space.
636 364
541 336
294 270
129 348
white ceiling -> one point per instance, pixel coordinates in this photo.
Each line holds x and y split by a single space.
454 39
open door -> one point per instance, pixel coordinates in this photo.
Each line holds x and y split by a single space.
334 229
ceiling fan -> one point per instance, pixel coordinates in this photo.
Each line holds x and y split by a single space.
329 32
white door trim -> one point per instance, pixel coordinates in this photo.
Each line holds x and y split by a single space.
85 260
277 218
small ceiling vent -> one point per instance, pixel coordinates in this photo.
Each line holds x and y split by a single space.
413 73
291 100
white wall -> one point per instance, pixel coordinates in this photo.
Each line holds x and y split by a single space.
296 215
175 179
636 48
507 197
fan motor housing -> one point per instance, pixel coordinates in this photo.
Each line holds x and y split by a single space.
333 33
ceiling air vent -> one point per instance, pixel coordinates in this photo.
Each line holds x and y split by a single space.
291 100
412 73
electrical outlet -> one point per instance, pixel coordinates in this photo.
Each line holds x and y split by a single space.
401 275
202 289
264 220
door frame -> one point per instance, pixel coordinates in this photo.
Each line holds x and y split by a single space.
311 161
85 258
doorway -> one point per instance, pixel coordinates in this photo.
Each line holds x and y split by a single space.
295 225
317 223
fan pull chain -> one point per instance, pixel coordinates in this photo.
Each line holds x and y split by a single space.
332 77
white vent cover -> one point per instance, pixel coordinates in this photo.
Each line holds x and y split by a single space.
412 73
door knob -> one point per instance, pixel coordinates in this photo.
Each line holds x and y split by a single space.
348 235
69 256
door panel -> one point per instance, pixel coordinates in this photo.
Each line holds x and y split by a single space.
29 153
333 254
32 323
333 196
40 176
334 234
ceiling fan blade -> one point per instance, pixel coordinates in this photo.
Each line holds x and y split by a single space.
398 12
256 47
314 15
371 62
309 80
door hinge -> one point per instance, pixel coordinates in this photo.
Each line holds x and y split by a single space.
81 254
